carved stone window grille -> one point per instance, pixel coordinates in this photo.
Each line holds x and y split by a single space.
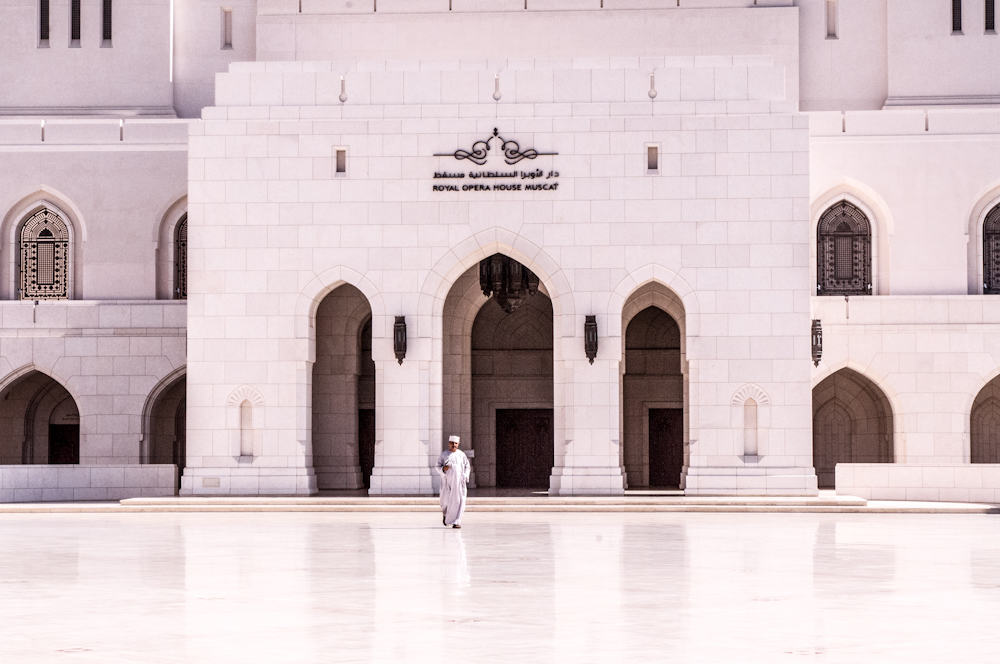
180 259
991 252
43 261
844 252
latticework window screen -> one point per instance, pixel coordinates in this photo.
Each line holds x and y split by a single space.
843 252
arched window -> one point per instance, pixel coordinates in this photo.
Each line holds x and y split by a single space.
843 252
991 251
44 257
180 259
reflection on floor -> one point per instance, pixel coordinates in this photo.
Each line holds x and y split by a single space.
302 587
493 492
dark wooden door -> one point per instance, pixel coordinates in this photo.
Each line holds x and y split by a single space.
525 451
64 443
666 446
366 444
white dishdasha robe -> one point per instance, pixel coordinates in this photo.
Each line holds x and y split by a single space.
453 485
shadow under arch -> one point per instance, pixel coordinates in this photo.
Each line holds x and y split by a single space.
343 391
168 384
654 426
984 423
43 197
685 311
324 283
41 419
853 422
456 262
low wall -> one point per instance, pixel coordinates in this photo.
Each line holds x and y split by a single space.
978 483
36 483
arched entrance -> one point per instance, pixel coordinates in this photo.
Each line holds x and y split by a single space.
985 425
498 378
852 423
653 388
343 391
654 400
166 427
41 420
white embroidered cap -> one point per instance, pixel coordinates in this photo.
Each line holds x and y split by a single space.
454 439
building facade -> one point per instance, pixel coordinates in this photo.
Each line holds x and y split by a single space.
725 246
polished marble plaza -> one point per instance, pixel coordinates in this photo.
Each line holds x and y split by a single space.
346 587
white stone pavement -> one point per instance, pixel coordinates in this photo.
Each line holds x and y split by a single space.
293 587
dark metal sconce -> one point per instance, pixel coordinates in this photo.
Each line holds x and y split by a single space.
590 338
509 282
399 338
817 341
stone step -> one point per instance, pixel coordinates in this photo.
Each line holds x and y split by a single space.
424 504
513 502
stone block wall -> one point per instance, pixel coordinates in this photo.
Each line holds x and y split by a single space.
109 356
719 223
978 483
33 484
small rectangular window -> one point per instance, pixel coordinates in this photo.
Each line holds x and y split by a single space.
227 28
341 160
43 23
74 22
956 16
106 23
652 159
831 19
991 21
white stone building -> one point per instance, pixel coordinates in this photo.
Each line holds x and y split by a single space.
663 197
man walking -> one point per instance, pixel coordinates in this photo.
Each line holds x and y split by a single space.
454 468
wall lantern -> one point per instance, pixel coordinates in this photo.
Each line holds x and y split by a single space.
590 338
399 338
817 341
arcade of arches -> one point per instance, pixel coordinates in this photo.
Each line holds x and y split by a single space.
852 423
41 422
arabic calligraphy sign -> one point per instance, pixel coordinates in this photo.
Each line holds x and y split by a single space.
496 180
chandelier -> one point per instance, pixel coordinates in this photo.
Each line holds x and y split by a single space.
509 282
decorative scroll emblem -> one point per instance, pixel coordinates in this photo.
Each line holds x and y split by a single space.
512 152
509 282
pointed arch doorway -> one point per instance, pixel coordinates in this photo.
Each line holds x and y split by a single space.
852 423
653 385
343 391
984 423
165 425
41 421
498 378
